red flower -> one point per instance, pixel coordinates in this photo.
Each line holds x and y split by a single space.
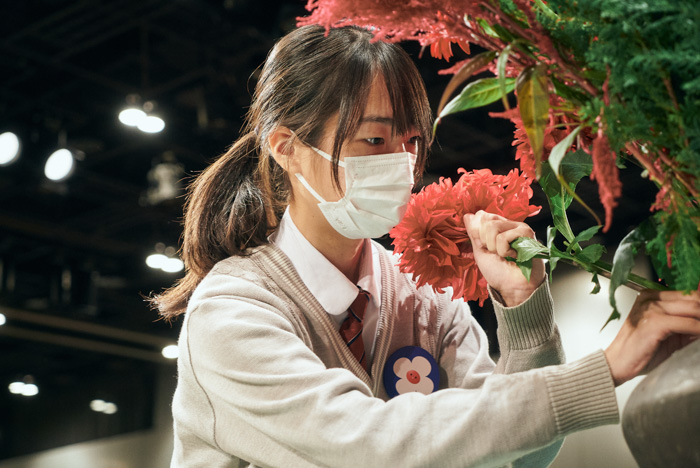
432 239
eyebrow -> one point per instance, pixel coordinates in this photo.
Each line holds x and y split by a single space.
377 119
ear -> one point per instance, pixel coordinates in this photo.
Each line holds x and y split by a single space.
281 141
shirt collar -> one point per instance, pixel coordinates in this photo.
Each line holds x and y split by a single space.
331 288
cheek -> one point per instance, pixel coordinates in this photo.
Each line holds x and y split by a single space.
318 173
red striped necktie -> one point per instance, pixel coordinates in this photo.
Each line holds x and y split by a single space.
351 329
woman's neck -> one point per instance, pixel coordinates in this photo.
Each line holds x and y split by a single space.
345 254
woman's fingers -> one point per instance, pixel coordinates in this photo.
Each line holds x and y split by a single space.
667 302
496 232
659 323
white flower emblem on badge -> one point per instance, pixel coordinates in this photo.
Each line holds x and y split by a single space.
410 369
413 375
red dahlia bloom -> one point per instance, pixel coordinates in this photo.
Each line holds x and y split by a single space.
433 240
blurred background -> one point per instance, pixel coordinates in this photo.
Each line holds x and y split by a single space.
91 204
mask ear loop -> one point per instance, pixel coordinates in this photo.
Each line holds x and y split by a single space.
328 156
308 187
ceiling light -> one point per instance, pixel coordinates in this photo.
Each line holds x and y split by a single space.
132 117
25 388
156 260
60 165
3 320
173 265
9 148
110 408
16 387
30 389
101 406
171 352
151 124
97 405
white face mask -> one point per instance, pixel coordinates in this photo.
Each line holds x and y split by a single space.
377 190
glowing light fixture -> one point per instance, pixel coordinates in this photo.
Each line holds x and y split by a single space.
156 261
60 165
25 387
139 116
16 387
132 116
3 320
101 406
9 148
151 124
97 405
171 352
173 265
165 259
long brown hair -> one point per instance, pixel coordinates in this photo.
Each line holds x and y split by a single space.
310 75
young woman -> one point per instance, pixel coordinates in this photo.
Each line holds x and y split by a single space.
281 277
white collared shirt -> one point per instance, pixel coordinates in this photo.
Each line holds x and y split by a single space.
331 288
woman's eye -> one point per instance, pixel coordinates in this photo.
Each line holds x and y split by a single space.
374 141
415 140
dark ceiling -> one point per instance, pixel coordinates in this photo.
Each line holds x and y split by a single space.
72 254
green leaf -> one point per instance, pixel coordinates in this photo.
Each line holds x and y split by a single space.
584 236
468 69
623 261
486 27
590 254
572 169
528 248
525 268
502 61
568 92
533 102
551 235
596 284
552 265
546 10
477 94
561 148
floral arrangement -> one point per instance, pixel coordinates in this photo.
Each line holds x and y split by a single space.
599 85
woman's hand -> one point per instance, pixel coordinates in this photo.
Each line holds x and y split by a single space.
491 236
659 323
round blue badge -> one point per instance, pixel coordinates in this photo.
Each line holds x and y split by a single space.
410 369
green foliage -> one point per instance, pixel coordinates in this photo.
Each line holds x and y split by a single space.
472 66
572 169
477 94
674 238
623 263
644 46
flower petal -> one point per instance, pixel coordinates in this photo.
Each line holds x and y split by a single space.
401 366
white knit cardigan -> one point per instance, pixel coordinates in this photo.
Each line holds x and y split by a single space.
264 379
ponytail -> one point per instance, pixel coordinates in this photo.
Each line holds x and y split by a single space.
231 206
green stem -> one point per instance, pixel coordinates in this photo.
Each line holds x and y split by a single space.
636 282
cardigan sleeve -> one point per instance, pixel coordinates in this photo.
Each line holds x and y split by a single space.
249 387
528 339
527 335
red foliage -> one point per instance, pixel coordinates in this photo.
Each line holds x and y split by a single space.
553 134
433 23
433 240
606 173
